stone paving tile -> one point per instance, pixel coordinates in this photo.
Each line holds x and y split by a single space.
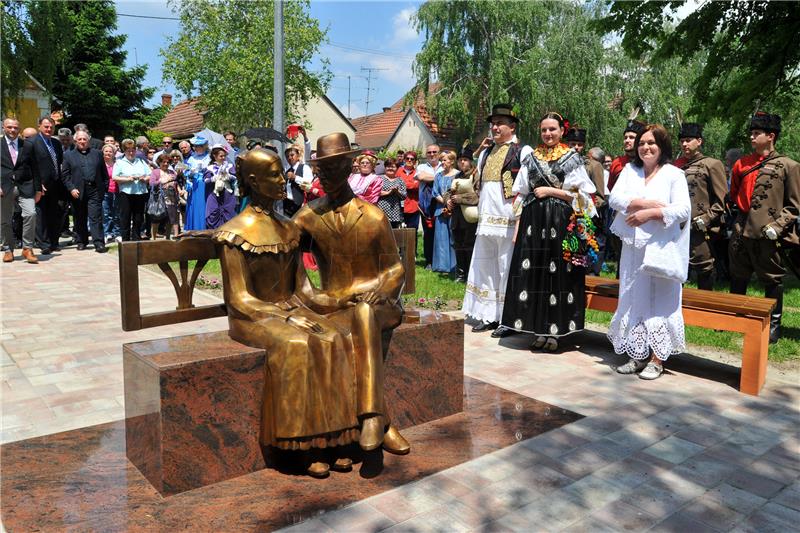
705 470
712 513
674 450
662 497
737 499
680 523
771 518
788 497
751 482
625 516
357 517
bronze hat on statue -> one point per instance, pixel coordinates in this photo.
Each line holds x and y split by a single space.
332 146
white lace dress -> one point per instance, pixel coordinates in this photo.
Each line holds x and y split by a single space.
648 315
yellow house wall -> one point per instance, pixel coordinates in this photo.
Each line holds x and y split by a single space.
323 120
26 111
411 135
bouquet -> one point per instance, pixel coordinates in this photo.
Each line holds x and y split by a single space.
580 245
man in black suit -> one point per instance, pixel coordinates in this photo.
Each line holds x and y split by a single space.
45 163
18 188
85 177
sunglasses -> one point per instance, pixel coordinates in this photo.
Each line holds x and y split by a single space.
410 159
433 152
167 143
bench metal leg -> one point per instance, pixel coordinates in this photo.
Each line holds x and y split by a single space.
754 358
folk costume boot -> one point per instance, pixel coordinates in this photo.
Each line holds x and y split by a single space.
371 433
775 291
738 286
705 280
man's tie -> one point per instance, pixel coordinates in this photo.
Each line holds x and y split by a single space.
12 147
47 143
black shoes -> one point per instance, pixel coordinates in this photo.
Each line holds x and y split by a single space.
501 332
485 326
81 246
100 248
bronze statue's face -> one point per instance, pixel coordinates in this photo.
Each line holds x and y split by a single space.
333 174
263 172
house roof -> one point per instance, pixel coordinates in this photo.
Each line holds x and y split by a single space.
183 120
376 130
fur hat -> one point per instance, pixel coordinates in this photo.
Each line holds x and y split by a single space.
766 122
691 130
576 135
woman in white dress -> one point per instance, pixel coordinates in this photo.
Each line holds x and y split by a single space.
651 199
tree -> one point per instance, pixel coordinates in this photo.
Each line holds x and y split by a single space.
93 84
35 40
224 54
751 51
71 49
540 56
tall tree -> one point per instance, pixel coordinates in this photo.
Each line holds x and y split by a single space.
224 54
750 47
34 39
93 84
540 56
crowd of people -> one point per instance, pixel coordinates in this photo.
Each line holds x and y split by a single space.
520 225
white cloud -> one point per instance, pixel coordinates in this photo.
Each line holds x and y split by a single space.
686 9
403 31
355 109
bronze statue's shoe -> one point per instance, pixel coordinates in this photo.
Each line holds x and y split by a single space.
394 442
342 464
371 433
318 469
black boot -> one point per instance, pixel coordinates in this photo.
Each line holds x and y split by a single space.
775 291
738 286
705 280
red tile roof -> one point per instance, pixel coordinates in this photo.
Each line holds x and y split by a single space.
183 120
374 131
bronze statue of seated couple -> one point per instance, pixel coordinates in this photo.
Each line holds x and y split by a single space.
324 368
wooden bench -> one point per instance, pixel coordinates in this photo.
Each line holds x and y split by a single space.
712 310
201 250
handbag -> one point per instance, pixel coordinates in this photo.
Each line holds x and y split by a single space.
156 206
663 259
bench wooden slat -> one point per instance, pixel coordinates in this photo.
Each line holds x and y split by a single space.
722 302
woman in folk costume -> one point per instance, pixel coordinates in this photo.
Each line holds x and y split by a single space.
220 178
308 396
545 292
651 199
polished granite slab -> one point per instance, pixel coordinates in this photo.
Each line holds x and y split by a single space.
193 403
81 480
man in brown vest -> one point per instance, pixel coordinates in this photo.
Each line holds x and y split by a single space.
766 187
707 189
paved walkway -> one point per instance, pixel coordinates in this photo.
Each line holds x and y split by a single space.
685 453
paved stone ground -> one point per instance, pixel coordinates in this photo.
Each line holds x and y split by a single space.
685 453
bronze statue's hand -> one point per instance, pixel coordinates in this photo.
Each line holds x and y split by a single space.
284 306
304 323
371 298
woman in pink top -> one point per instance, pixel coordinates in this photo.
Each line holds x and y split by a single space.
167 179
110 207
365 183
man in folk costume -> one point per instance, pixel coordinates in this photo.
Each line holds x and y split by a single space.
632 130
707 189
765 186
499 162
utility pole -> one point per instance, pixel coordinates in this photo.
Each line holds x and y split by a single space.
278 81
369 71
348 98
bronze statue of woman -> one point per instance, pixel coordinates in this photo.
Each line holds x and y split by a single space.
310 371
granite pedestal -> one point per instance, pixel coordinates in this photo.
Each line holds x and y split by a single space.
193 403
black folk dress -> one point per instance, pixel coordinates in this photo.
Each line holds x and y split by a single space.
545 293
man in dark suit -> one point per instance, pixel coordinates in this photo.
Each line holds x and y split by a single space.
18 188
45 164
86 180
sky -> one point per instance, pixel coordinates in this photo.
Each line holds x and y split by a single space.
362 35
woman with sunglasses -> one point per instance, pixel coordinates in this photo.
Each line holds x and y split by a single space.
545 291
407 173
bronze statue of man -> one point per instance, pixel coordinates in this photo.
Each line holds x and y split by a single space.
361 270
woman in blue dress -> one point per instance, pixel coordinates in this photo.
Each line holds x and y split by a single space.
221 183
195 186
444 255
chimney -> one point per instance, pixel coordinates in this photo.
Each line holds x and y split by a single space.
166 100
387 109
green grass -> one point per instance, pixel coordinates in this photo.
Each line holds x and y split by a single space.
433 285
